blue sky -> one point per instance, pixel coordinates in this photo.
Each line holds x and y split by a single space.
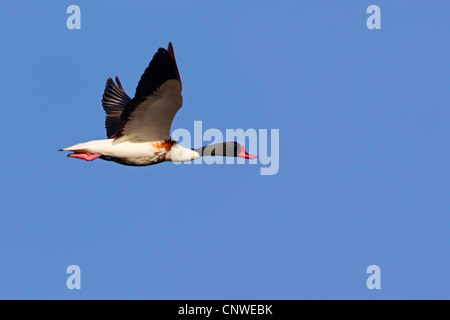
364 152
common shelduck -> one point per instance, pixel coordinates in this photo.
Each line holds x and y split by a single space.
138 129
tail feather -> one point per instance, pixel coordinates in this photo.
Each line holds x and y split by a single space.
80 147
94 146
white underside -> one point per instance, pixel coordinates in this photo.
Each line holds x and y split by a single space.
136 152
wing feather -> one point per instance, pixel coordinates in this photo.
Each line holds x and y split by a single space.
149 115
114 101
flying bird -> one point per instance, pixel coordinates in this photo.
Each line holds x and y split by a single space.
138 129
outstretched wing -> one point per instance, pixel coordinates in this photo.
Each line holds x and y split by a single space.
114 101
149 115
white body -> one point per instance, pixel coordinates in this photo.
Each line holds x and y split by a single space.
137 152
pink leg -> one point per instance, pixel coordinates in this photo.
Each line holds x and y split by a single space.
85 156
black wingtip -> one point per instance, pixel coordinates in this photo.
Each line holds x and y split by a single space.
118 83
